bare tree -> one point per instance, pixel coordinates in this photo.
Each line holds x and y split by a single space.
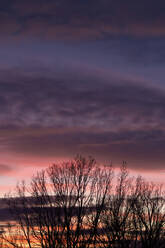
149 213
102 189
73 185
116 217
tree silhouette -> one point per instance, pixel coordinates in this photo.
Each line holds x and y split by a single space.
149 213
81 204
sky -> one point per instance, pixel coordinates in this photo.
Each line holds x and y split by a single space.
81 77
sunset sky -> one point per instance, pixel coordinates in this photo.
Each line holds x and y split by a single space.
81 76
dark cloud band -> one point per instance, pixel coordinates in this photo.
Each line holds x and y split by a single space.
118 119
82 19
